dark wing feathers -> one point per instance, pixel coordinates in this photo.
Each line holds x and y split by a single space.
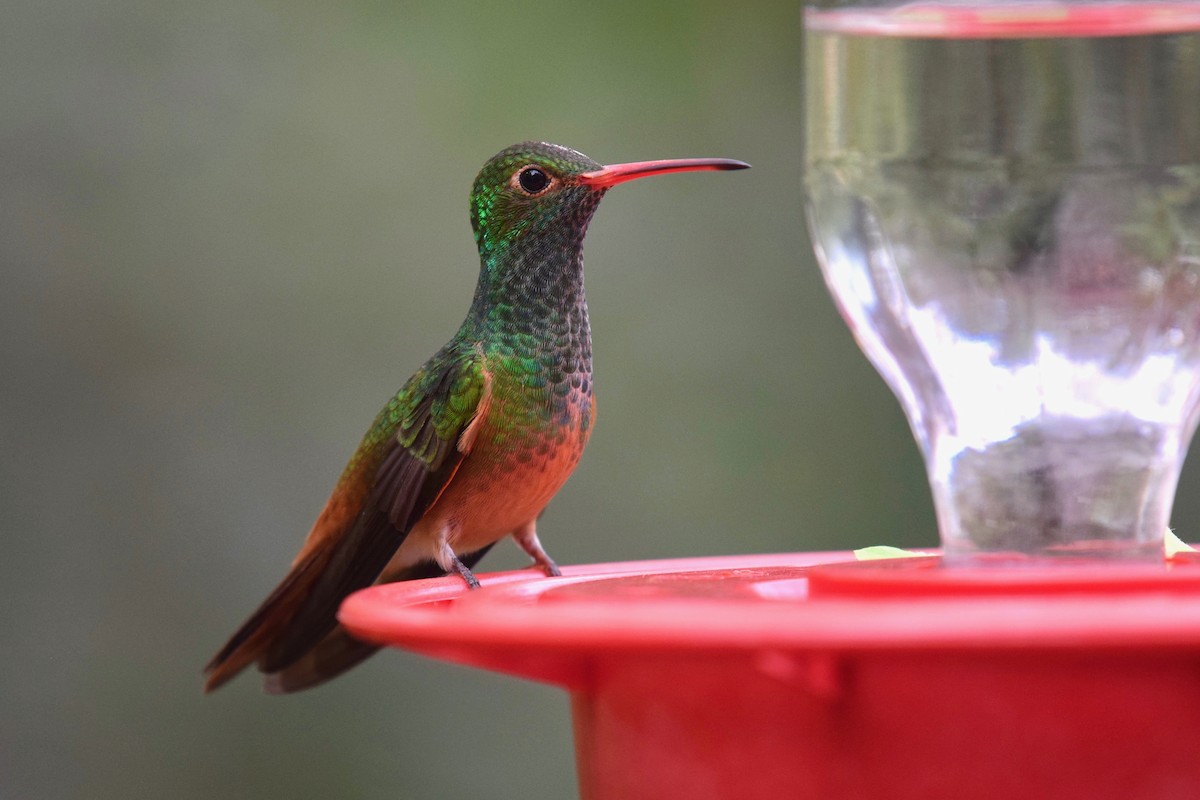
244 647
404 491
415 444
339 651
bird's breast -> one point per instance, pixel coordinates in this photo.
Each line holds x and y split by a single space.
526 448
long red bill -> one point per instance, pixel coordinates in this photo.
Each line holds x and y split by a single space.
613 174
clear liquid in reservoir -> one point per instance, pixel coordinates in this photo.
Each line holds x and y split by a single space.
1010 223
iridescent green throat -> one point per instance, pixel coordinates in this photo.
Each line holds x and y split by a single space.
529 313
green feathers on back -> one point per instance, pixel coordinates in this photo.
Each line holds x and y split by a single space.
437 405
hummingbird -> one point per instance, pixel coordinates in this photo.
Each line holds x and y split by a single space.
477 441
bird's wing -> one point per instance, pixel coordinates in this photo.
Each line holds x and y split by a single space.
404 464
423 435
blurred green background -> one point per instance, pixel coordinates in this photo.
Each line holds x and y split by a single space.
230 230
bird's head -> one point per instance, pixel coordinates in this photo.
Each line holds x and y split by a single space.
544 194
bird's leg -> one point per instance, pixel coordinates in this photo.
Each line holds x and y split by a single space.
526 536
464 572
449 561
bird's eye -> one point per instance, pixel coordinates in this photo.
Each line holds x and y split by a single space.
533 180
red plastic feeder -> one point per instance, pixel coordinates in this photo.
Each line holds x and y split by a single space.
804 676
1031 18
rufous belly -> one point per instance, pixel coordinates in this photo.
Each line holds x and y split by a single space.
506 481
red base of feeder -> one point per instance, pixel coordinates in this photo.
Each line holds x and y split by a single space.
1024 18
783 676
